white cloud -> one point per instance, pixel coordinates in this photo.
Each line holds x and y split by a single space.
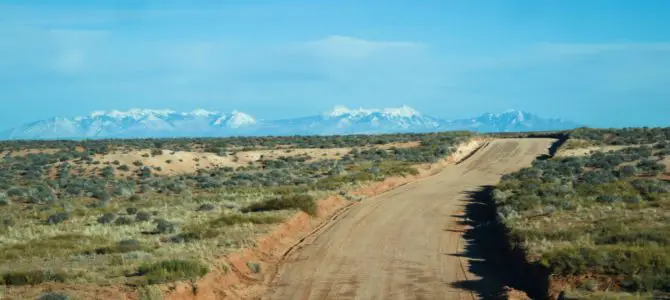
354 48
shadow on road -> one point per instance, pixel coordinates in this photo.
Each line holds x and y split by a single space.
489 256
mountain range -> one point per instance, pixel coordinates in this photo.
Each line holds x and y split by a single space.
145 123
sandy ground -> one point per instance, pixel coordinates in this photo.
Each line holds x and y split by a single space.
401 244
180 162
587 150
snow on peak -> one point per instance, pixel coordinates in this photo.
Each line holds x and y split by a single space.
338 111
201 113
235 119
240 119
134 113
402 111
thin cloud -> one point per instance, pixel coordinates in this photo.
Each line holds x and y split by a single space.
354 48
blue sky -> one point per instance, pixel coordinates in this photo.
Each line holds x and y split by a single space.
599 62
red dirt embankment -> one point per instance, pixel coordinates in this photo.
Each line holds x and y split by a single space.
240 282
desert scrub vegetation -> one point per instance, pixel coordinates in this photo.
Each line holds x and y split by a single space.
624 136
599 222
172 270
127 224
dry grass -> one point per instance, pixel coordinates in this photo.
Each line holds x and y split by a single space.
72 246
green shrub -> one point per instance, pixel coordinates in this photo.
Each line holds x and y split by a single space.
164 226
142 216
254 267
627 171
123 246
233 219
58 218
31 277
56 246
7 221
106 218
303 202
123 221
206 207
131 210
53 296
172 270
186 237
4 199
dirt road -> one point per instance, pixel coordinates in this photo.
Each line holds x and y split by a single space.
399 245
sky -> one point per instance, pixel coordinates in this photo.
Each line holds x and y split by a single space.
603 63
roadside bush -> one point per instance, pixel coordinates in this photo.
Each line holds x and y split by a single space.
131 210
172 270
613 260
254 267
123 246
53 296
31 277
303 202
232 219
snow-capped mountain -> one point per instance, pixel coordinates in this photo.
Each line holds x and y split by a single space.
340 120
136 123
510 121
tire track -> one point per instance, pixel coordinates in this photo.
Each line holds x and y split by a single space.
393 246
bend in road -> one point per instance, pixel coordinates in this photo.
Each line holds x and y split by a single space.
398 245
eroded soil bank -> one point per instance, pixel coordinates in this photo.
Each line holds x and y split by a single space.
414 242
241 282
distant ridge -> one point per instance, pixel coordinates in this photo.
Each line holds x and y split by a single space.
146 123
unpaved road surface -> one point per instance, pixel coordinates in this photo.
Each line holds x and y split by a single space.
399 245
